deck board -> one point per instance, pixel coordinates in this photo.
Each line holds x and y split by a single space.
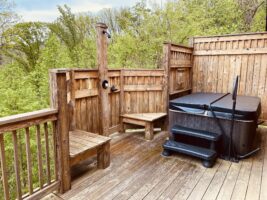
138 171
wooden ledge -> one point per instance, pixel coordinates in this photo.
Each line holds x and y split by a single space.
148 117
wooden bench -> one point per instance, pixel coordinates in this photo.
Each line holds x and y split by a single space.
143 119
84 144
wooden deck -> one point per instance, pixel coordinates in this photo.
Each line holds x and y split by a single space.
138 171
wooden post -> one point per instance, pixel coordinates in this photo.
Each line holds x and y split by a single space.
103 156
191 44
58 90
122 110
166 66
103 75
149 131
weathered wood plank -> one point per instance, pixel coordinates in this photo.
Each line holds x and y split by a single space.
217 181
242 180
85 93
149 117
4 168
42 193
248 51
231 37
47 155
263 193
228 186
254 185
27 116
13 123
204 182
17 165
142 72
29 160
139 88
39 156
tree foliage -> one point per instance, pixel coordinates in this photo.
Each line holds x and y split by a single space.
23 43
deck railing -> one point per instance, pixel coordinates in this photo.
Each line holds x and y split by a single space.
28 154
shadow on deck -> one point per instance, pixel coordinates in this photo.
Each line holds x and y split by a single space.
138 171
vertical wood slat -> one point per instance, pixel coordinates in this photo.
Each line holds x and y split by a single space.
55 142
16 165
47 156
122 109
3 167
72 110
39 156
29 160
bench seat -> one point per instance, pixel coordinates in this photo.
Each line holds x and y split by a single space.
85 144
144 119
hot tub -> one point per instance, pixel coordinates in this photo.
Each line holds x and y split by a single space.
195 111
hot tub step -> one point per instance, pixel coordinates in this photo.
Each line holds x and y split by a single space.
195 133
207 155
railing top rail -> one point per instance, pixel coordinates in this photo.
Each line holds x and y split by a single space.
27 116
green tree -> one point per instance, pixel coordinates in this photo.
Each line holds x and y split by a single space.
69 32
23 43
7 18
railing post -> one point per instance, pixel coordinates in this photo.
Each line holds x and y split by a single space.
166 67
58 91
103 76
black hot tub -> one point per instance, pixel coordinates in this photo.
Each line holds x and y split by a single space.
195 111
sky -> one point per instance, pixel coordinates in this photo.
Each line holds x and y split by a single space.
46 10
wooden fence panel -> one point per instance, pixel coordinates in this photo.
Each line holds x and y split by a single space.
180 69
218 60
143 91
86 106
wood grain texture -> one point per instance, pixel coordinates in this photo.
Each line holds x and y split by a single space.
17 165
218 60
102 65
4 168
139 172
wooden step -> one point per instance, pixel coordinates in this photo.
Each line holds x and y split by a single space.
195 133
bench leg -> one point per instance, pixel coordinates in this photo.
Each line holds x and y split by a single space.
103 156
122 128
149 131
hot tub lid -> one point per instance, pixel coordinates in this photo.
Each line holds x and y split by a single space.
247 107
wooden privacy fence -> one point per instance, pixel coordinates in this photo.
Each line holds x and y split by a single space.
135 91
219 59
212 63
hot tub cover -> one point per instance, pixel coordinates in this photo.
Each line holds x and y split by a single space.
247 107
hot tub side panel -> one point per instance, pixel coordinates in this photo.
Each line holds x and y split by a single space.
243 135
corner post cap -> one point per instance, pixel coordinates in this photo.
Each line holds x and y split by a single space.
101 25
